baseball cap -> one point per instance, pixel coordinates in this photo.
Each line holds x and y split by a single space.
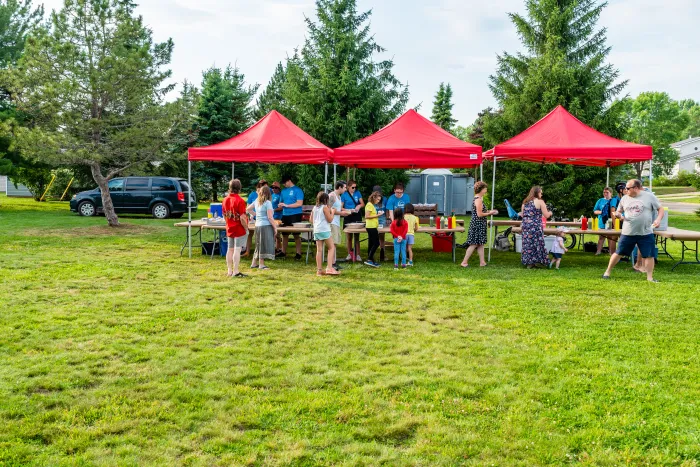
275 184
377 188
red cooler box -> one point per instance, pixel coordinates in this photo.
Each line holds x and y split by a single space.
442 242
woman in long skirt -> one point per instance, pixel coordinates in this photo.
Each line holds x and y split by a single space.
265 228
534 208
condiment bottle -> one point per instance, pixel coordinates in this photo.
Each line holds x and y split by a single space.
584 223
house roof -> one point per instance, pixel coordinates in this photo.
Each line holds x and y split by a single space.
686 142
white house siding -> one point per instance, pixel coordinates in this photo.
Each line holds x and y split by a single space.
688 152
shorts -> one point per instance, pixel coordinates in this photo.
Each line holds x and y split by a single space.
645 244
287 221
238 242
335 234
410 239
557 255
322 236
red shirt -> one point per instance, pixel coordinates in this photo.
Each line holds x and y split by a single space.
234 209
399 231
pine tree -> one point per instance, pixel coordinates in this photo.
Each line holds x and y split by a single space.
272 97
224 111
335 88
563 63
442 108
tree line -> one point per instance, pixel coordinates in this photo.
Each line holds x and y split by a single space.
83 94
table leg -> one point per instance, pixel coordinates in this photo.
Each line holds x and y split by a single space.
454 247
213 246
184 245
683 250
308 249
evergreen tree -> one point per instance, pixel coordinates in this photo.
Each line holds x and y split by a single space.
224 111
93 86
442 108
563 63
272 97
336 89
17 20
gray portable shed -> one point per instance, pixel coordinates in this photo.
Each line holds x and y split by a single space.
442 187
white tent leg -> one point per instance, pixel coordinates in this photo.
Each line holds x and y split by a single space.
233 170
493 196
607 179
651 177
335 175
481 170
325 178
189 208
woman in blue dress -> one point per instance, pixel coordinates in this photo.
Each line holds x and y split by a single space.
534 252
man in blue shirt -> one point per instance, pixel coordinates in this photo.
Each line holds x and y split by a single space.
397 200
604 208
292 200
352 201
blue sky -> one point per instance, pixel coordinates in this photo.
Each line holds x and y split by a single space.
655 43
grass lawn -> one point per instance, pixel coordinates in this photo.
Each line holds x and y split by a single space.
694 200
670 190
114 350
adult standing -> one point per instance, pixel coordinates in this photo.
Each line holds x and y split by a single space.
604 209
335 200
292 202
477 236
352 201
276 198
381 220
534 209
398 200
638 229
234 211
265 228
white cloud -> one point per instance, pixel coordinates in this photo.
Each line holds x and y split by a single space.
654 44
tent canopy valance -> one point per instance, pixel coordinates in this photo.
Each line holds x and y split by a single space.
411 141
272 140
561 138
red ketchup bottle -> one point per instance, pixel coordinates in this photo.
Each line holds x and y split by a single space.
437 222
584 223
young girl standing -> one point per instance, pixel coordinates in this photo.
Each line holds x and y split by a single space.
265 228
413 224
372 226
322 216
558 249
399 229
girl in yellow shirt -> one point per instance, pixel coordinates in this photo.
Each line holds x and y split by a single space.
372 227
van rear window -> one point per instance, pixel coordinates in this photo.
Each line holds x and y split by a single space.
162 184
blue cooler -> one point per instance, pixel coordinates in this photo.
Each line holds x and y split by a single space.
216 210
223 243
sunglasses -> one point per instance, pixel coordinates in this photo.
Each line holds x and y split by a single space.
353 187
630 187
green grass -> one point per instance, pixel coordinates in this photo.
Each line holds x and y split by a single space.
670 190
693 200
114 350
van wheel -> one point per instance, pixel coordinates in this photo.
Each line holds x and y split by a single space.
87 209
161 211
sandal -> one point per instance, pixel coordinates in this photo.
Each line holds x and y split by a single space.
240 274
332 272
319 272
263 268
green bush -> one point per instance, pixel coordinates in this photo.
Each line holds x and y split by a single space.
684 178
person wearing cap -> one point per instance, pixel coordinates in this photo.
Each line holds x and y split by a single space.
277 211
381 206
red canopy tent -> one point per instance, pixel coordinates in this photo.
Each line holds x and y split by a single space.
272 140
561 138
411 141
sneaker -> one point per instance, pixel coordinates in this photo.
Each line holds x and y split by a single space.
410 263
358 259
653 280
297 256
371 264
336 267
348 258
403 266
280 255
551 264
606 277
396 267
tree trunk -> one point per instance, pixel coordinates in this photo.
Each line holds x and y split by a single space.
214 190
107 205
638 168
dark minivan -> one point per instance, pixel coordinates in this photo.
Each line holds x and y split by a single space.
162 197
